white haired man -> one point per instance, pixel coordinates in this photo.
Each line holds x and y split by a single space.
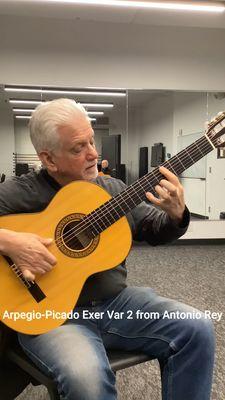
105 170
74 353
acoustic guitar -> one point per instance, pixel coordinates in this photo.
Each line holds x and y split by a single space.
91 234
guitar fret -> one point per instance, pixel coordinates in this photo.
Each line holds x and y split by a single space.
103 224
198 148
193 161
156 179
96 222
134 203
148 184
93 227
139 183
171 165
108 222
210 141
122 208
136 197
183 166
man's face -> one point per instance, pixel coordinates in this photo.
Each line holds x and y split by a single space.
77 156
105 163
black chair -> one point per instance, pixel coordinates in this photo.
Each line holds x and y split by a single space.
2 178
118 360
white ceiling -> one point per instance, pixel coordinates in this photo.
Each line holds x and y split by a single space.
45 9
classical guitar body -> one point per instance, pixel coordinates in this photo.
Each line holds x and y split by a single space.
57 291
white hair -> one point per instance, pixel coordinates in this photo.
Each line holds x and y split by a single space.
48 117
105 162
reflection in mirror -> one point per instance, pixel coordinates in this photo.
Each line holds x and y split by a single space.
135 123
106 109
164 123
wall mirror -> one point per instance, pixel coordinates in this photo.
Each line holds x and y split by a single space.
138 119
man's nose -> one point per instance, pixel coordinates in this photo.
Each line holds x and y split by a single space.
92 153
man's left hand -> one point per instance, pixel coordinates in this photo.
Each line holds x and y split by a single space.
171 195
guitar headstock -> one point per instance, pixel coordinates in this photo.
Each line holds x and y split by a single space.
216 130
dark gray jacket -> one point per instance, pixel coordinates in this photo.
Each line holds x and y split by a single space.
34 191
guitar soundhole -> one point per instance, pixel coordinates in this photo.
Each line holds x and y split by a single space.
74 241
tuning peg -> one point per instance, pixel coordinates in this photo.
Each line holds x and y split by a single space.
216 118
206 124
219 115
211 123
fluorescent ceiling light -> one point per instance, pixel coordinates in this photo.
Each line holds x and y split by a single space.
205 7
29 117
25 102
103 105
23 116
23 110
94 105
30 110
69 92
105 88
95 112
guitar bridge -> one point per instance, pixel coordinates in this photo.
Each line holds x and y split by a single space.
36 292
32 287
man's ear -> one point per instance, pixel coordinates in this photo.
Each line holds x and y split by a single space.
48 160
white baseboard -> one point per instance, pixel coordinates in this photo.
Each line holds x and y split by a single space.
206 229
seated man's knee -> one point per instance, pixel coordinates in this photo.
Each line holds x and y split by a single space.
199 331
85 380
205 333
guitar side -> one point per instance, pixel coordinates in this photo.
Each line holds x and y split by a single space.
62 285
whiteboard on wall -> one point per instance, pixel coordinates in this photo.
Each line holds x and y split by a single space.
198 170
194 191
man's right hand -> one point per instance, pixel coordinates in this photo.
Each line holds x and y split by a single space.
29 252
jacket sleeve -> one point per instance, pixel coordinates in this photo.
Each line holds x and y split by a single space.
155 226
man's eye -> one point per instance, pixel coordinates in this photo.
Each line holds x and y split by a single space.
77 150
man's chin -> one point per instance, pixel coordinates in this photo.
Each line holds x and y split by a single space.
91 173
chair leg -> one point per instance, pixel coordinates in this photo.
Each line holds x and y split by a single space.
53 394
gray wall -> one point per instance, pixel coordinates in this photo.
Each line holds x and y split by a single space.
82 53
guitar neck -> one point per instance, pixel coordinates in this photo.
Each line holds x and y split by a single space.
104 216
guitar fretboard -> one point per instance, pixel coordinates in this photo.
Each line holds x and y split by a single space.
104 216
